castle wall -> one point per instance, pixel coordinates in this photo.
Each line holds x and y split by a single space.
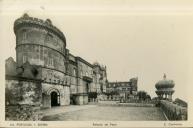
64 94
41 54
23 99
40 43
40 47
100 79
72 67
83 86
55 80
84 69
54 76
38 35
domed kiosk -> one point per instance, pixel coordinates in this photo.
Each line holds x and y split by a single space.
165 88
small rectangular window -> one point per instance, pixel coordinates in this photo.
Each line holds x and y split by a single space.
24 31
74 72
50 61
24 59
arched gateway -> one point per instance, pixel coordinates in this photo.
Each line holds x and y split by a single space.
54 97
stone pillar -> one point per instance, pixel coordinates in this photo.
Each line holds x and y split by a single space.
170 97
46 101
161 96
85 99
79 100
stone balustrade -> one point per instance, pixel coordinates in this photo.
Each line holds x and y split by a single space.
173 111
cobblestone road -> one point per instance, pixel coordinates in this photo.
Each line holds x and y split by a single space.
94 112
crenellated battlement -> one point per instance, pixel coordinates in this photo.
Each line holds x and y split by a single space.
26 20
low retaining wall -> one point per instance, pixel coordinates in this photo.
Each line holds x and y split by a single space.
117 103
137 104
173 111
108 102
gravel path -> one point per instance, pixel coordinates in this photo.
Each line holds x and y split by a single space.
114 113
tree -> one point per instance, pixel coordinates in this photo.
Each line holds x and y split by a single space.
142 95
115 92
92 95
148 97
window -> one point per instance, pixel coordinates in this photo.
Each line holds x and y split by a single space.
58 99
101 88
86 73
123 89
24 59
50 61
74 72
24 31
80 66
49 37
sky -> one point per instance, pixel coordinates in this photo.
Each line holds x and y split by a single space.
143 39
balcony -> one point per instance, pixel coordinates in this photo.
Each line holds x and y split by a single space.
88 79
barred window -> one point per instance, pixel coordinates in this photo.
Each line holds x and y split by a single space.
50 61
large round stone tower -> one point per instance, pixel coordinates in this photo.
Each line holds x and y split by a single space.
41 43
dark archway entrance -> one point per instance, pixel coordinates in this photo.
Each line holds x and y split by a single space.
55 99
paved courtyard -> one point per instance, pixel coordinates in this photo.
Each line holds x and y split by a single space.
100 113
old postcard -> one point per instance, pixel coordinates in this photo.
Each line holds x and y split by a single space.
108 63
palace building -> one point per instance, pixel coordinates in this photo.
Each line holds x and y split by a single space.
45 72
122 90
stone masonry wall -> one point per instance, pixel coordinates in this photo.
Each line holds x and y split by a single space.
40 47
23 100
64 92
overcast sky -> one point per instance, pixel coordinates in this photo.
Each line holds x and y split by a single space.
132 38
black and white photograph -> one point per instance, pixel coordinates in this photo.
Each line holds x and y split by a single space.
108 63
